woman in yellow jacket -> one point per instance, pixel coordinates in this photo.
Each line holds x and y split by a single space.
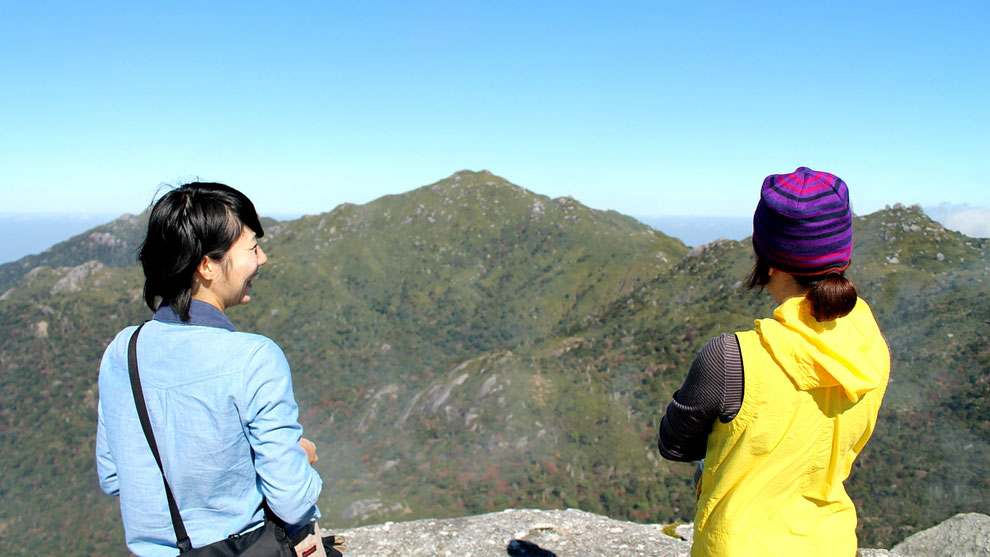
780 412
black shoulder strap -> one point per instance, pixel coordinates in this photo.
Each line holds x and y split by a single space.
142 410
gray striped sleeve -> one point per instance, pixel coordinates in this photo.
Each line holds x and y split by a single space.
733 373
712 390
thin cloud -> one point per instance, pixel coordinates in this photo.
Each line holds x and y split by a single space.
974 223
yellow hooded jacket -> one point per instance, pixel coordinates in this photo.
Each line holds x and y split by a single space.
772 483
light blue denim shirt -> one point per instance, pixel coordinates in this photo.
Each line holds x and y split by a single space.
226 425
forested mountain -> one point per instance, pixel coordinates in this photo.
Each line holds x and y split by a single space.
470 345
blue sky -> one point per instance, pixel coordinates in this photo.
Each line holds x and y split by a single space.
648 108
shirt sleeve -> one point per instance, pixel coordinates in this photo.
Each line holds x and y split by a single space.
290 485
106 468
712 390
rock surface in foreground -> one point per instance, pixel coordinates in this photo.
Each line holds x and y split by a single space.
529 533
536 533
964 534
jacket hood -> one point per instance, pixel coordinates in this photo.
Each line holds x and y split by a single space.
849 352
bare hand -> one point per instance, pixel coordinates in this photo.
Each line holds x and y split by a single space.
310 449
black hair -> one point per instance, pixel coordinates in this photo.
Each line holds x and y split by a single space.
831 294
192 221
759 275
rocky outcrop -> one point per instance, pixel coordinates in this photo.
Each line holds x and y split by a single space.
964 534
536 533
514 532
73 279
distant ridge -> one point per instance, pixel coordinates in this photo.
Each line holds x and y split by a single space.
32 233
113 244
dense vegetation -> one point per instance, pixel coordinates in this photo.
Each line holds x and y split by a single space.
470 346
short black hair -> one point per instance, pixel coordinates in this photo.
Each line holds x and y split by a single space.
191 221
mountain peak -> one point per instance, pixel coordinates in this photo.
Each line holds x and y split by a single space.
469 173
462 174
474 178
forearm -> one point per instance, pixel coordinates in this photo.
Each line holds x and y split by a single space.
683 433
106 468
290 485
288 481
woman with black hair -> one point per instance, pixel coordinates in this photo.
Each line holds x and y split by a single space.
219 401
780 412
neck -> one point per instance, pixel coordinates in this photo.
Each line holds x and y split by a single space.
784 286
204 295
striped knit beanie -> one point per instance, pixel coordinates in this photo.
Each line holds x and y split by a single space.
803 224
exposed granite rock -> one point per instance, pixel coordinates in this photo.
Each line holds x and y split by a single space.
536 533
72 281
514 532
962 535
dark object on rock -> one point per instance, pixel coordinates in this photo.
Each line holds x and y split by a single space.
334 545
521 548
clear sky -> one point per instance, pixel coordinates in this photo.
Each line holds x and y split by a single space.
649 108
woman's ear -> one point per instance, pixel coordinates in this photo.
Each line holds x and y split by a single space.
207 269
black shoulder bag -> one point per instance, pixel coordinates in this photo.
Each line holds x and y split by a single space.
268 541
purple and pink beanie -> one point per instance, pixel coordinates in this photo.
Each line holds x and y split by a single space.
803 223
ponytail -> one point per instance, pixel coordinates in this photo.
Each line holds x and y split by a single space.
831 296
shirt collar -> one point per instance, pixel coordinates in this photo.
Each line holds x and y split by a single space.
200 313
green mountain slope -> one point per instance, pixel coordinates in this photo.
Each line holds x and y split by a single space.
398 289
471 345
